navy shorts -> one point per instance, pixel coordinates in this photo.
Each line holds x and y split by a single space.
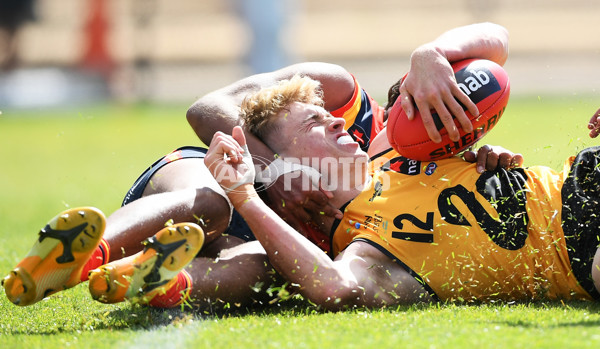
237 227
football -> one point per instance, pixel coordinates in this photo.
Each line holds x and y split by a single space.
485 82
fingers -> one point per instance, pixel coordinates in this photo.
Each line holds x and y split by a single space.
317 203
470 156
300 214
504 160
517 160
314 200
493 158
406 102
332 211
311 208
447 103
300 204
459 97
238 135
304 209
483 154
227 147
446 118
594 125
429 124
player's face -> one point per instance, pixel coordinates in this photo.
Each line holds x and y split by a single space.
311 132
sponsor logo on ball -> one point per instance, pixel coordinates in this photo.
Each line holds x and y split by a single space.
477 82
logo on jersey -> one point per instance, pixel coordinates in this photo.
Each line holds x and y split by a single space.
375 222
176 155
403 165
359 135
377 190
430 169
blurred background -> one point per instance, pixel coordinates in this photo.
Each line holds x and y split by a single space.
67 52
94 91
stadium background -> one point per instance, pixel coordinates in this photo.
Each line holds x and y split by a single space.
177 50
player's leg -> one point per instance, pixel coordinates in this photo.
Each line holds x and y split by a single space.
229 269
182 191
239 277
38 275
237 271
152 272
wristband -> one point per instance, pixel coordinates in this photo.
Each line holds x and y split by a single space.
241 195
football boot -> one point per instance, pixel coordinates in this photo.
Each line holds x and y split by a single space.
56 260
152 271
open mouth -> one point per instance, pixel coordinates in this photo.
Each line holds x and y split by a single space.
345 138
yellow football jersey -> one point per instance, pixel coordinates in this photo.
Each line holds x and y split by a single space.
466 236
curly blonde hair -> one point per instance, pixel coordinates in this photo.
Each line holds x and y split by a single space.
259 110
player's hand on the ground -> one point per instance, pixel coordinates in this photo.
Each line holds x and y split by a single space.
493 157
594 125
430 85
298 203
228 159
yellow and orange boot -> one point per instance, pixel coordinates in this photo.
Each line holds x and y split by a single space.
153 271
55 261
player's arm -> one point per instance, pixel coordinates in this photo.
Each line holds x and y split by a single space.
430 83
361 276
219 111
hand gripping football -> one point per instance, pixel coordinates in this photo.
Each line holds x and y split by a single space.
485 82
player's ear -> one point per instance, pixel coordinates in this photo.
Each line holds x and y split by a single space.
238 134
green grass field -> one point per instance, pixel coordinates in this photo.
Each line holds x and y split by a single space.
57 159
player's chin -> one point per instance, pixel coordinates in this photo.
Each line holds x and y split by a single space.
351 154
360 156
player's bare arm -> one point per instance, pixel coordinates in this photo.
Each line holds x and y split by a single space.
362 276
219 110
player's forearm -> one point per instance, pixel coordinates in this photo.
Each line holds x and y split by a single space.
219 110
295 257
482 40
